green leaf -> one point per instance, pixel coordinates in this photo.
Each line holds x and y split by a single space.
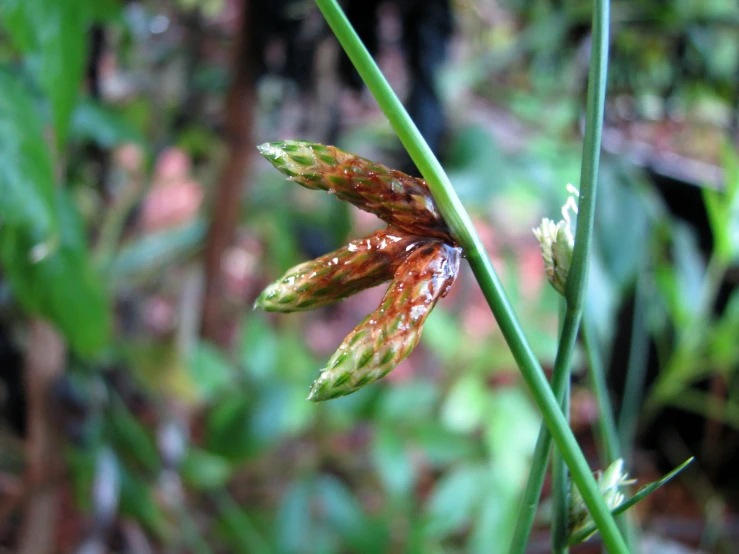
472 160
411 402
27 176
719 211
42 245
54 36
722 351
295 526
156 250
130 436
319 514
259 349
104 10
510 450
229 428
59 282
602 296
443 335
210 371
494 523
279 410
18 25
137 501
101 124
442 447
238 526
205 471
681 282
730 163
621 226
454 499
585 533
343 512
466 404
393 463
723 208
511 446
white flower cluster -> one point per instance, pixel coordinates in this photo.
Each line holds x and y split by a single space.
557 242
610 483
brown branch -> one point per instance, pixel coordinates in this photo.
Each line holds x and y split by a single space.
238 123
45 356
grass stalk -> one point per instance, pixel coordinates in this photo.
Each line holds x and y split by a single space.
561 488
560 477
464 232
575 287
606 423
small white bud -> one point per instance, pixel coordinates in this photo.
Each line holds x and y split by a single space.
557 242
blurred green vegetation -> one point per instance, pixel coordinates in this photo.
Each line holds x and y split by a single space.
107 191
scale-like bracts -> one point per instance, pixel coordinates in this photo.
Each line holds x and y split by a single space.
398 199
361 264
416 251
389 334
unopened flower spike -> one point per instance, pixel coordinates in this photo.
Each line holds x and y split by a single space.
398 199
359 265
557 242
389 334
416 252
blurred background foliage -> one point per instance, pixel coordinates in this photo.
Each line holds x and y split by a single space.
159 413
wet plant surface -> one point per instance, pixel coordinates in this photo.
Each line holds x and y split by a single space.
146 407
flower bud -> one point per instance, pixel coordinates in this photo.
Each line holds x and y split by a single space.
556 243
389 334
361 264
398 199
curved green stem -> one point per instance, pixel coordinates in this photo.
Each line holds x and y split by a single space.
464 232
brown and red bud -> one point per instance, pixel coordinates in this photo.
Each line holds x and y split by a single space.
361 264
389 334
416 252
398 199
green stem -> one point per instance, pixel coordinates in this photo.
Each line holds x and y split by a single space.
532 492
606 422
561 487
609 438
464 231
576 284
560 477
535 483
